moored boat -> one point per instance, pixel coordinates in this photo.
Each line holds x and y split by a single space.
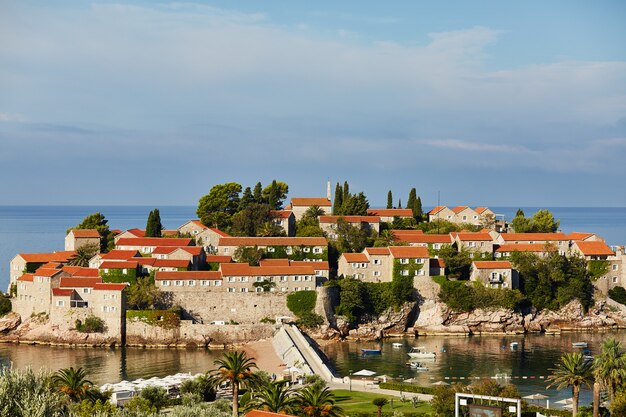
579 344
514 345
397 345
371 351
417 366
420 353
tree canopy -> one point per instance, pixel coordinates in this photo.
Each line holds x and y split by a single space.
153 225
542 222
98 222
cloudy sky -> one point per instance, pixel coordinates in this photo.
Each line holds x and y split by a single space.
488 102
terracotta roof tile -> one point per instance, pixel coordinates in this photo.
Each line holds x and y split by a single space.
118 265
593 248
47 272
61 256
71 282
154 241
310 201
377 251
580 235
315 266
534 237
281 214
459 209
26 277
219 232
71 269
119 254
220 259
274 262
436 210
62 292
212 275
525 247
171 263
422 238
273 241
86 273
409 251
390 212
407 232
109 286
492 264
350 219
481 210
474 236
355 257
85 233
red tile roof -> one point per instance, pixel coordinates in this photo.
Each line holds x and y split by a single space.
492 264
137 232
459 209
247 270
71 282
86 273
592 248
273 241
350 219
534 237
193 250
469 236
580 235
274 262
142 260
85 233
436 210
281 214
390 212
259 413
109 286
199 224
47 272
214 275
62 292
310 201
219 232
525 247
355 257
220 259
171 263
119 254
378 251
409 251
61 256
315 266
154 241
26 277
422 238
481 210
118 265
71 269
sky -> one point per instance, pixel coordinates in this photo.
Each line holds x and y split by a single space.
482 102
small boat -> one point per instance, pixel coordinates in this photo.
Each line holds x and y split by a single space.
579 344
417 366
419 353
514 345
397 345
370 351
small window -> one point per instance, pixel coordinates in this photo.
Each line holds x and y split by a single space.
296 278
436 246
191 283
317 250
614 280
165 283
283 279
288 250
377 262
259 289
614 267
419 261
112 309
244 279
124 271
475 217
472 244
464 217
376 273
105 309
307 278
203 283
60 303
296 289
105 297
217 283
244 290
271 249
230 289
259 279
226 250
178 283
86 291
404 272
306 250
404 261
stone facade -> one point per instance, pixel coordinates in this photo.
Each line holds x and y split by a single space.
286 220
382 264
296 248
82 237
299 206
495 274
387 215
328 224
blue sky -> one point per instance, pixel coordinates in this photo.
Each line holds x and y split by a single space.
488 102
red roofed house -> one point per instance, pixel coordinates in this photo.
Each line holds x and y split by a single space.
80 237
560 240
356 265
387 215
115 255
495 274
29 262
34 291
475 242
598 253
300 205
413 238
205 236
329 223
241 278
148 244
379 264
286 220
465 214
194 254
441 213
313 248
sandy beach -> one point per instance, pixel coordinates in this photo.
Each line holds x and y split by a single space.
265 356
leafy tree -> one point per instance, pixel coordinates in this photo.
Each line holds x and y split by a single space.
522 224
338 201
84 253
257 194
351 299
139 406
98 222
488 221
385 238
153 225
73 383
438 227
201 386
156 397
389 200
249 255
609 367
618 405
355 205
352 238
380 402
217 208
571 371
458 263
618 294
250 220
443 399
309 224
236 369
543 222
88 408
266 285
316 400
314 212
24 393
275 397
5 305
143 295
275 193
246 198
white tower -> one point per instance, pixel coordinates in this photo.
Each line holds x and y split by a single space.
328 190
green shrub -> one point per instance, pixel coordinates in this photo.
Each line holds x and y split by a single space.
406 388
167 319
5 305
92 324
618 294
302 302
268 320
310 320
156 396
460 296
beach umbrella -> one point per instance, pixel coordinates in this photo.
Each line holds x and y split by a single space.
536 397
564 401
440 383
364 372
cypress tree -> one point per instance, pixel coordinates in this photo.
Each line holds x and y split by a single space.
246 199
389 200
258 193
411 202
150 225
346 194
418 208
338 201
399 203
158 227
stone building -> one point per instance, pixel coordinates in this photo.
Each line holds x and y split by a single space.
286 220
146 245
30 262
382 264
495 274
388 215
80 237
480 242
299 205
328 224
295 248
560 240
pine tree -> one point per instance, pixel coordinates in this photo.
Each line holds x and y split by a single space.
338 202
158 227
412 201
418 208
246 199
150 225
389 200
258 193
399 203
346 195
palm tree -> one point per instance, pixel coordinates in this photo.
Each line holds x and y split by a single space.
236 369
387 237
84 254
314 212
275 397
317 401
609 368
572 370
73 383
380 403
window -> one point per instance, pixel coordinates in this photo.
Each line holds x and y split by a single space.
288 250
105 297
283 289
217 283
165 283
419 261
106 270
449 217
404 261
317 250
191 283
419 272
231 279
363 265
226 250
105 309
307 278
271 249
112 309
203 283
259 289
230 289
178 283
614 267
296 289
283 279
296 278
472 244
306 250
377 262
437 246
475 217
376 273
355 265
333 236
614 280
464 217
404 272
244 290
244 279
86 290
60 303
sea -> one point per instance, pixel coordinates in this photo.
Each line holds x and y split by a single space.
30 229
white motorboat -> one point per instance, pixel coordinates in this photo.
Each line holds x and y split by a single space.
417 366
514 345
579 344
420 353
397 345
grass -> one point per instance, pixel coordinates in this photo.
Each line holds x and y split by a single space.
361 402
